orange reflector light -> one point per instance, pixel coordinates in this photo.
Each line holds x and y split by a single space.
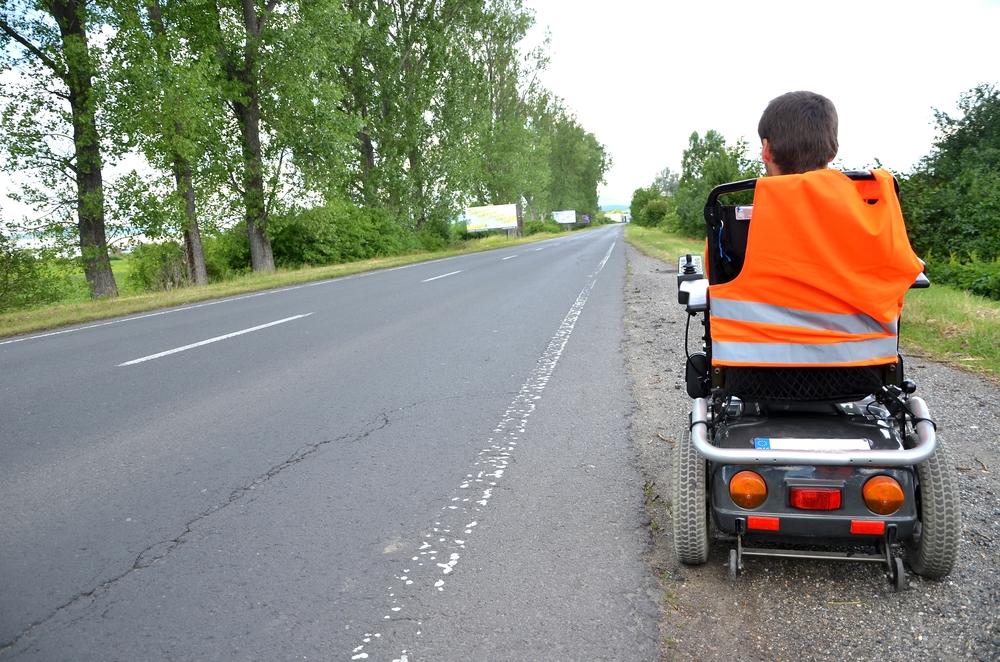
747 489
883 495
814 498
861 527
763 523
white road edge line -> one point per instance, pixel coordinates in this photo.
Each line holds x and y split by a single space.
509 257
452 273
441 547
211 340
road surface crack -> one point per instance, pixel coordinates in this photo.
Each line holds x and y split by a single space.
159 550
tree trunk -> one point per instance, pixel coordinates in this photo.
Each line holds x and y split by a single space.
69 15
192 235
248 116
367 151
182 168
261 256
418 208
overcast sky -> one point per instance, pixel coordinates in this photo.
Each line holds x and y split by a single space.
642 76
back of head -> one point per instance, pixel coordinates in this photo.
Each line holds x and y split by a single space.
801 129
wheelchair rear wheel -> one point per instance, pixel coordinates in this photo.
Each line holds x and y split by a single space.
690 503
934 548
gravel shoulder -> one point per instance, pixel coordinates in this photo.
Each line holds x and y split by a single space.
787 610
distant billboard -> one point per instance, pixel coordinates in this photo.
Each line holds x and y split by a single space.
566 217
490 217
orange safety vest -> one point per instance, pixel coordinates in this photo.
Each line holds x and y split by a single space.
827 265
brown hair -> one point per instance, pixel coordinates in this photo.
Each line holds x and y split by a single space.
801 128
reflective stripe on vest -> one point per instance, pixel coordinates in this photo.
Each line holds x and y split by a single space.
750 311
858 352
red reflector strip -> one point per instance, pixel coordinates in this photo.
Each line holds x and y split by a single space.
814 498
861 527
757 523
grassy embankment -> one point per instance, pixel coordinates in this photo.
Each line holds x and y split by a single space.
942 322
85 310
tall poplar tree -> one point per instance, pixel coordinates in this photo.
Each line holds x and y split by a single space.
48 43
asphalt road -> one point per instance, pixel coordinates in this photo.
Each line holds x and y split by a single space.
425 463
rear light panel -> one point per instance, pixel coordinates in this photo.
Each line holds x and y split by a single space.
883 495
815 498
747 489
863 527
756 523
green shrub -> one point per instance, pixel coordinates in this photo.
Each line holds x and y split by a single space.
337 232
535 226
28 277
158 267
656 210
227 253
977 276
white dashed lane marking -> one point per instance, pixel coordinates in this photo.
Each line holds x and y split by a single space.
211 340
451 273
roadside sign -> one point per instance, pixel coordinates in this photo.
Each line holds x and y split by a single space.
565 217
490 217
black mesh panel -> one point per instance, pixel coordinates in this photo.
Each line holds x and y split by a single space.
803 384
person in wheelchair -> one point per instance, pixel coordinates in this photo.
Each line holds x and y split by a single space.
803 427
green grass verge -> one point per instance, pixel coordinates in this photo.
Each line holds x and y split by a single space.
77 312
942 323
951 325
662 245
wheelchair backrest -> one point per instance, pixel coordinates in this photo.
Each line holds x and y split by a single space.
812 279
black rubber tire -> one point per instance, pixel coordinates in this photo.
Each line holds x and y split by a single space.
690 507
734 565
933 552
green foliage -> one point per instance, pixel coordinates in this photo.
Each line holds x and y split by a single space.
973 275
952 200
536 226
708 162
641 197
227 253
655 211
27 278
338 232
158 267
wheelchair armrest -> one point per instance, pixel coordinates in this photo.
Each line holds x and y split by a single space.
694 295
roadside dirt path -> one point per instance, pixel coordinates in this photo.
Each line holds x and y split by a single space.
799 610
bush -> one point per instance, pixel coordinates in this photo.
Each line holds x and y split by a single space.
227 253
537 226
27 277
977 276
158 267
655 212
337 232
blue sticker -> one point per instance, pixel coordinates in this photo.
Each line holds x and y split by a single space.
762 443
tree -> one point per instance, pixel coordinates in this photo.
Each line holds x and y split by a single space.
706 163
577 164
641 197
276 66
48 43
667 181
165 98
952 199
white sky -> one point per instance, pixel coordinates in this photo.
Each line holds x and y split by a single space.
642 76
